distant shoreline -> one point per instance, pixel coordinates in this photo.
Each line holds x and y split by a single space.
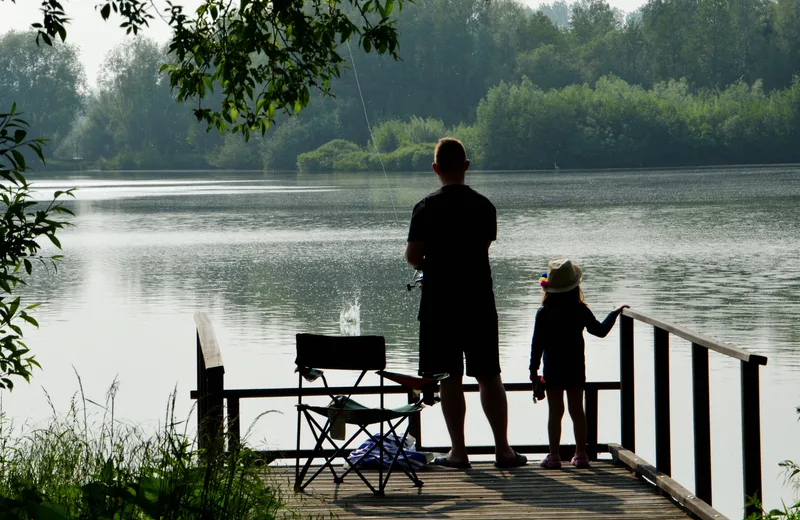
371 172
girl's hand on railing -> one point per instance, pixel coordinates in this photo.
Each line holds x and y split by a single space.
623 306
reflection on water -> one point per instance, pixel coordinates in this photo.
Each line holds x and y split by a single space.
267 257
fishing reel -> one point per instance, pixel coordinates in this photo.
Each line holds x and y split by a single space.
416 280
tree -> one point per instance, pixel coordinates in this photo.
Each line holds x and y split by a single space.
46 81
22 225
263 55
558 12
547 68
136 109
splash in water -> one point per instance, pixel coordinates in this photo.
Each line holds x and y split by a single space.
350 319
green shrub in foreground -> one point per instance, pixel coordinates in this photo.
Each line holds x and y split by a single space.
69 470
792 475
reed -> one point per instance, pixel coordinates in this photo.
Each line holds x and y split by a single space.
81 466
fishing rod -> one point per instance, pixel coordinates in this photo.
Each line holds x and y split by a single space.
416 280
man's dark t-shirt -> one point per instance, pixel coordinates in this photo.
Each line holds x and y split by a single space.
456 224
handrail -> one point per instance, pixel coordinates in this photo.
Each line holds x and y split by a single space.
207 341
700 347
255 393
698 339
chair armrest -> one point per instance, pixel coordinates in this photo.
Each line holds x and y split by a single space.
413 382
309 374
427 385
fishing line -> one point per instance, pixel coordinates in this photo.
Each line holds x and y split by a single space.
369 129
416 278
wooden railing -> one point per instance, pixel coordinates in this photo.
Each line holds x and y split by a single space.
213 399
210 386
701 345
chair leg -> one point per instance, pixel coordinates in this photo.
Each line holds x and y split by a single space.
338 451
408 469
298 483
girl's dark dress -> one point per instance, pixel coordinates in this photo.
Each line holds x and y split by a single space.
558 334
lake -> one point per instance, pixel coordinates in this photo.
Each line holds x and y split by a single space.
270 255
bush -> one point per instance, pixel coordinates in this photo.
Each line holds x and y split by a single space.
70 469
322 159
410 157
388 136
395 134
792 475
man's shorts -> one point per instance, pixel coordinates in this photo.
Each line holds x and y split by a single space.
444 346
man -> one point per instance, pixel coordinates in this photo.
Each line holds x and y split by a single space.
449 237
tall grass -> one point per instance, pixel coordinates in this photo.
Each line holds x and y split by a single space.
791 471
72 468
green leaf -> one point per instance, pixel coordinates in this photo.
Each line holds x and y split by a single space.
29 319
20 159
105 12
54 240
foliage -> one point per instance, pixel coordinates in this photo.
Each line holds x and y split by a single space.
263 55
24 224
792 474
323 158
70 469
45 81
395 134
235 154
615 124
341 155
455 55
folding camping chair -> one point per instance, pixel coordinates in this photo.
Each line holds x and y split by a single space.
362 354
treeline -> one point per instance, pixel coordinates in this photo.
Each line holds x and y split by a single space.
584 85
611 125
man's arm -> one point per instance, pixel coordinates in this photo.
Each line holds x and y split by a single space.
415 253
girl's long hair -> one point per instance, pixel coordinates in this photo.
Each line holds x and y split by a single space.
566 298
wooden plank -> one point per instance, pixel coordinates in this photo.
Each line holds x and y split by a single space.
699 339
207 340
606 490
680 494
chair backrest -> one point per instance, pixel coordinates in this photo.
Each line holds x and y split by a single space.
341 352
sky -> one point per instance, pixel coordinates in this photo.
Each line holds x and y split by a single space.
95 38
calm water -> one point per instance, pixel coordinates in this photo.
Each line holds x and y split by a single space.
269 256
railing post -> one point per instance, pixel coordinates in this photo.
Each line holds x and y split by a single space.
591 422
202 392
234 428
751 436
215 414
702 423
661 367
626 376
414 422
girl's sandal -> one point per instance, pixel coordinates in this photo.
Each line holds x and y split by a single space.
580 460
551 462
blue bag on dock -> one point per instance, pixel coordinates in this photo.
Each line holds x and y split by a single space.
391 444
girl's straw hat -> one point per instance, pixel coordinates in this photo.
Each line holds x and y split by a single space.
562 276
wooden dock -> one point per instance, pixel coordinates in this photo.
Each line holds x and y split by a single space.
606 490
627 487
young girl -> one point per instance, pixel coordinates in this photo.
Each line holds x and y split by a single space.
558 333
